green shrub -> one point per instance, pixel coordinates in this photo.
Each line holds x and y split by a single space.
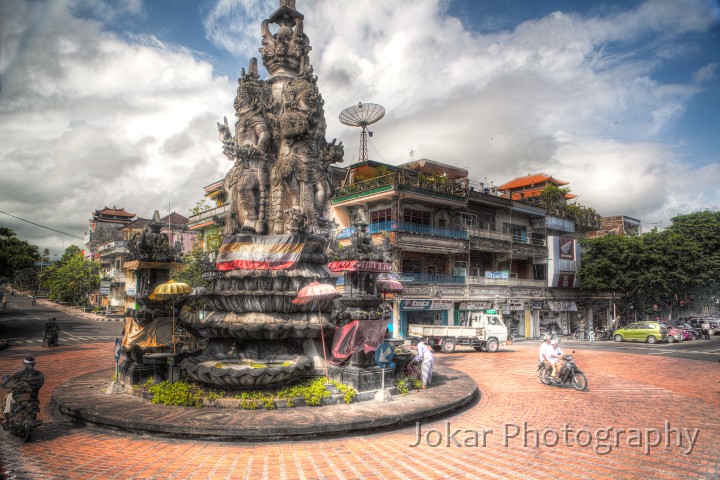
176 393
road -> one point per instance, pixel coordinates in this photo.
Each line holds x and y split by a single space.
24 324
646 415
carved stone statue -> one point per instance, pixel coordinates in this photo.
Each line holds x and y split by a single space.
248 181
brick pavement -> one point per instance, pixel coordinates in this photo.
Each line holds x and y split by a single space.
626 392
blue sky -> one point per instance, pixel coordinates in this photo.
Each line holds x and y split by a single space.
114 103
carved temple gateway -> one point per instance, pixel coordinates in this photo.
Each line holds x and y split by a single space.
277 235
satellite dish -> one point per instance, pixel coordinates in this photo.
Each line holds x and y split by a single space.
362 115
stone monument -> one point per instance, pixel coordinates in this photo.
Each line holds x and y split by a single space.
277 230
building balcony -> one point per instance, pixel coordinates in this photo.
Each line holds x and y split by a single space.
509 282
406 227
113 248
441 189
431 278
205 218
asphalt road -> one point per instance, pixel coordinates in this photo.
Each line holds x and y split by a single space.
24 324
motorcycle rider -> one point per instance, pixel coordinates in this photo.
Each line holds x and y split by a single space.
554 355
52 330
544 350
28 375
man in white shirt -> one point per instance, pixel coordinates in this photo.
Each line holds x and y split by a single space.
554 355
544 348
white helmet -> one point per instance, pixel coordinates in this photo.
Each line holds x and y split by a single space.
554 341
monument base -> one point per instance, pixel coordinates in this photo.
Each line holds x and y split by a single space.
133 373
364 379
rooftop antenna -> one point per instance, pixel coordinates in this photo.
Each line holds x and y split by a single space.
362 115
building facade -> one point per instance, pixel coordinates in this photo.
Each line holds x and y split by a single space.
458 247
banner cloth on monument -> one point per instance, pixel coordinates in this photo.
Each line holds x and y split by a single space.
365 334
252 252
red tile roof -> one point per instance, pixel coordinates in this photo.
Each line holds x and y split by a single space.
535 179
117 212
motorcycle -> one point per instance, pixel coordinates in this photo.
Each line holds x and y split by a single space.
23 417
50 339
569 374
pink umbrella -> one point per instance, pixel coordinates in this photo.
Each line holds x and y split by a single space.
317 291
389 286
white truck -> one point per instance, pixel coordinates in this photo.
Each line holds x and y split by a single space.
483 332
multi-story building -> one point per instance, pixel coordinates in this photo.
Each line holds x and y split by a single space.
459 246
106 243
617 225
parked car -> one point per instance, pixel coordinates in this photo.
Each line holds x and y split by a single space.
695 333
650 332
696 322
676 334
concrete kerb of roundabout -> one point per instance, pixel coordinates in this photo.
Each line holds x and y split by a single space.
84 400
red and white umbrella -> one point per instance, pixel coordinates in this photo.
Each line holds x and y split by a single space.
317 291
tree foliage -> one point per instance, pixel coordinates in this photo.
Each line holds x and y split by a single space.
15 254
72 278
658 270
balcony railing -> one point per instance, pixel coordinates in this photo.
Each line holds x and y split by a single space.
482 233
539 242
208 214
430 278
391 226
513 282
433 184
118 246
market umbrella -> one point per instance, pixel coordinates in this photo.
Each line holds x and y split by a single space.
170 291
316 292
386 285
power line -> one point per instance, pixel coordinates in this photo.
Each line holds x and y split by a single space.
43 226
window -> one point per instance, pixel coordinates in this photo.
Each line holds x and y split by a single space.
412 266
468 220
416 216
518 232
379 216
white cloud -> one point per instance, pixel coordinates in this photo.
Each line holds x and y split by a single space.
88 118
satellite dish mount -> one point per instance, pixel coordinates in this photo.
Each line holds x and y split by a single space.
362 115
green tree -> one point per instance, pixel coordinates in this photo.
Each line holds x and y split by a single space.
657 269
15 254
553 197
72 278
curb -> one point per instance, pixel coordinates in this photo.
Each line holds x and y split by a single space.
84 401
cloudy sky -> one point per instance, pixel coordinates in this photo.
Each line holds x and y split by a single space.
115 102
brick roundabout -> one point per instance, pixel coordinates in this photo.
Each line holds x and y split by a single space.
642 417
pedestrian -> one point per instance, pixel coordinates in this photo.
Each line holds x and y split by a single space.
706 330
425 358
591 335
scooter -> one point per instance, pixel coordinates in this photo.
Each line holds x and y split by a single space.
23 417
569 374
50 339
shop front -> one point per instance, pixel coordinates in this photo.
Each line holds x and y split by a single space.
560 317
424 312
464 308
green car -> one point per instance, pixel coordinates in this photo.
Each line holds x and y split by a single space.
650 332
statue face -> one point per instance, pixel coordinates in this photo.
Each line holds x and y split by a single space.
307 100
245 100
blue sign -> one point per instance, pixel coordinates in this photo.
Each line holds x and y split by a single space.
118 350
384 355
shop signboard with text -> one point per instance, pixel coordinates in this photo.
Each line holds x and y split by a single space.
428 304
